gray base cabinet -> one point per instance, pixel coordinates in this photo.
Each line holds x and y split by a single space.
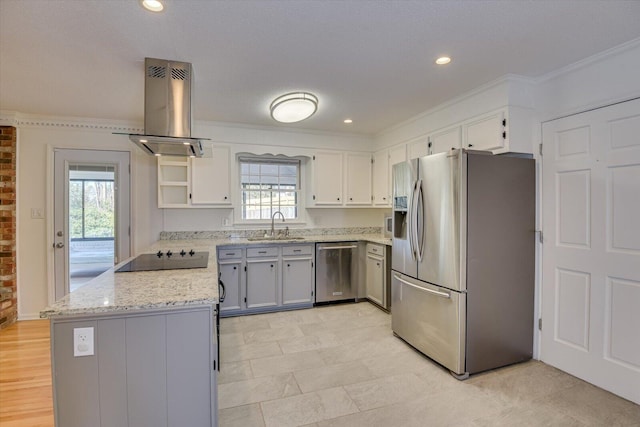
262 278
297 276
378 275
375 279
262 282
231 276
231 268
155 369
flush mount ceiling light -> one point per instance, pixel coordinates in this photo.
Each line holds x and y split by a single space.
443 60
348 121
152 5
293 107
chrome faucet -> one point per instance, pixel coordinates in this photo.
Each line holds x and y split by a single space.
273 217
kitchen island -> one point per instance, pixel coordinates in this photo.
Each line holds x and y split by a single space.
140 348
137 349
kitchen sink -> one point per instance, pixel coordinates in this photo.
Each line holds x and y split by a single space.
276 238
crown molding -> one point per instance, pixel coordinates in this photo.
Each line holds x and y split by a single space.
8 118
19 120
598 57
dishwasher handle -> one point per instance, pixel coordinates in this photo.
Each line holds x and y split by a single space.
326 248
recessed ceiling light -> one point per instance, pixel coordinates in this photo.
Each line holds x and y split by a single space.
293 107
443 60
152 5
348 121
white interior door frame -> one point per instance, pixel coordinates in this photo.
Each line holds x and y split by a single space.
59 160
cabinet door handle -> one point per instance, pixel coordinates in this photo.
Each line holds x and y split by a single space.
350 198
338 198
234 267
225 197
378 264
271 265
262 252
224 290
288 265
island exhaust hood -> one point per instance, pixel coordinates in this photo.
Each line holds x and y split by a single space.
167 110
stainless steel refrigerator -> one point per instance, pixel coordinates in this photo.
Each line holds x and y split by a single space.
463 258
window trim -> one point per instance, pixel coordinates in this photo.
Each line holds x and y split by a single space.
270 159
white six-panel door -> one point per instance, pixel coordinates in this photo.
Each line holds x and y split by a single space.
591 250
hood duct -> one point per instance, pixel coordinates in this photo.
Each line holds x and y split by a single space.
167 110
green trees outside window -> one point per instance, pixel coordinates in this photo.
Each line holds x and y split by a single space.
91 209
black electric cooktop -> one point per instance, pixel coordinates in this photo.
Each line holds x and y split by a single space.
166 261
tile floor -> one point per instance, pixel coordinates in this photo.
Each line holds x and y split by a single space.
341 366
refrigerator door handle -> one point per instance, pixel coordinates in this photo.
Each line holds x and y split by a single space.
410 223
446 295
419 221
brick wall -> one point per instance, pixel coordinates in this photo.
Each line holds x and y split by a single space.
8 283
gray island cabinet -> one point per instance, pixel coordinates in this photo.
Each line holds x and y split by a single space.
155 368
137 350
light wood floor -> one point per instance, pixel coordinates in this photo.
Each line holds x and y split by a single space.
25 375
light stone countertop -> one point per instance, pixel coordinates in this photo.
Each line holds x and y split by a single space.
149 290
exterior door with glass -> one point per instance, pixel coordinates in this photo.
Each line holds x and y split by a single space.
91 215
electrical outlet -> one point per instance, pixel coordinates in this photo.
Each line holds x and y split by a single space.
83 342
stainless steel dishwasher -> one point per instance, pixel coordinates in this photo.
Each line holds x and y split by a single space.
336 271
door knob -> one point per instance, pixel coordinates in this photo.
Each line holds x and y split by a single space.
59 245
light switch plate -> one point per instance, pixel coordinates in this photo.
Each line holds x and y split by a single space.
83 342
37 213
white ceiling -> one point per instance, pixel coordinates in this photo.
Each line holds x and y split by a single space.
372 61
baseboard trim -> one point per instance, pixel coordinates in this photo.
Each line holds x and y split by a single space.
30 316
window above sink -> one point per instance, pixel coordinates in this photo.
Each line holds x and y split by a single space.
269 184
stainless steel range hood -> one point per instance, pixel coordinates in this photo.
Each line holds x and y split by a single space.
167 110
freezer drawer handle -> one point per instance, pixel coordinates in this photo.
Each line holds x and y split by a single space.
431 291
326 248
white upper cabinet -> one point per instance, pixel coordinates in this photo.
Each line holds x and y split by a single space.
397 154
504 130
445 140
334 174
488 132
210 177
195 182
383 162
358 183
418 148
381 170
326 179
